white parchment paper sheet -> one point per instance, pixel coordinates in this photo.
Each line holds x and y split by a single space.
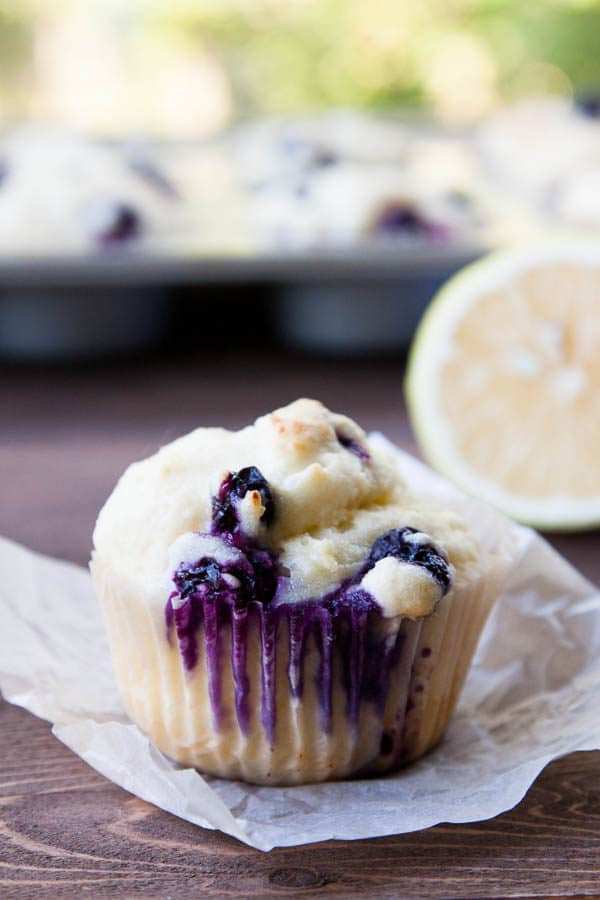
533 694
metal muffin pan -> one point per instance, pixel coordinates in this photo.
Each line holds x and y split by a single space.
353 301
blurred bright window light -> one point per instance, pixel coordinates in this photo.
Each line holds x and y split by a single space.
187 68
460 77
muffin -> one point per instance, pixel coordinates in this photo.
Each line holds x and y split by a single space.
531 146
64 193
279 608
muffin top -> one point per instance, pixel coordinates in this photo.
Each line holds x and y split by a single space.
297 507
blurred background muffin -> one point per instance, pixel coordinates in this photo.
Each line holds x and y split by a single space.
290 157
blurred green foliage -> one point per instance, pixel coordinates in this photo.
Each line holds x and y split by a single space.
376 53
456 57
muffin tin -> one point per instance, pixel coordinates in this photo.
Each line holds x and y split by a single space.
355 220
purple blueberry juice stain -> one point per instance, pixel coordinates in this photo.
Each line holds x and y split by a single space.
353 638
186 619
239 654
325 639
211 597
297 639
269 621
214 615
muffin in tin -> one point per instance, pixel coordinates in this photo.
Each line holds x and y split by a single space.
64 193
280 609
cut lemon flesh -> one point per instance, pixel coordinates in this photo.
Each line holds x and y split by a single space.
503 383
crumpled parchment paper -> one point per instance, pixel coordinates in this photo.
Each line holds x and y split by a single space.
533 693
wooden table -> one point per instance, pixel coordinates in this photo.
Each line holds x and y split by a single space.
67 832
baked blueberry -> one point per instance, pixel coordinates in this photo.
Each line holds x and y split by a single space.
410 545
111 222
234 488
399 217
188 579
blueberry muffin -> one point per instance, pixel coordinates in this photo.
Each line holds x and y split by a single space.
531 146
279 608
63 193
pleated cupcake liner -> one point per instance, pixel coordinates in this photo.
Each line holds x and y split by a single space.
284 695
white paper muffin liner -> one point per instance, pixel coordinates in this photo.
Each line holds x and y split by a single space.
365 694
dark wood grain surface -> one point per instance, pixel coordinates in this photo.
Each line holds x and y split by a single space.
65 831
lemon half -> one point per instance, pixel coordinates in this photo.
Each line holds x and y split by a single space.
503 383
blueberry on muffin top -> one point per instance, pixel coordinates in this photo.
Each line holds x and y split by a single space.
297 508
